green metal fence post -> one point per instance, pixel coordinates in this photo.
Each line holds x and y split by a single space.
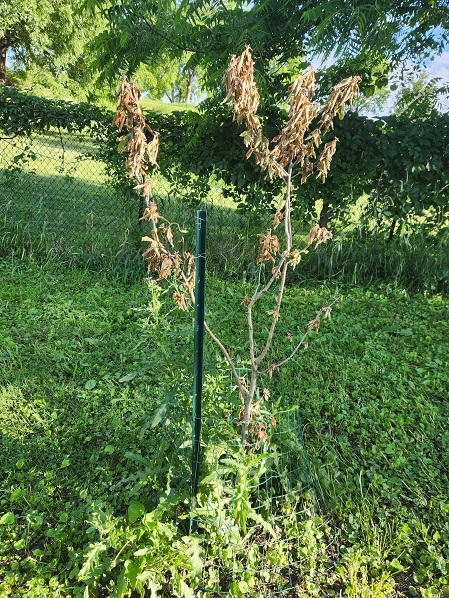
200 273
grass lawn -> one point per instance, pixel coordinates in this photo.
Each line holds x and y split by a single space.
164 107
87 361
53 190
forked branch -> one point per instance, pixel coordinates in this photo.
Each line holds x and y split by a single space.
295 153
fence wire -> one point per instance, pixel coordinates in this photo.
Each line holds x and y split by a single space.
56 194
261 517
53 189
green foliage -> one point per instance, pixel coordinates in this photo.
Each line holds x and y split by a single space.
401 163
418 95
93 485
201 147
23 114
197 34
414 168
338 28
48 37
165 79
354 167
371 67
364 32
416 259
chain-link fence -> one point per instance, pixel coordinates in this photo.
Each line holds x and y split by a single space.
55 194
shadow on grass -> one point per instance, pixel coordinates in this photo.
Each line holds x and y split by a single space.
70 215
71 142
66 441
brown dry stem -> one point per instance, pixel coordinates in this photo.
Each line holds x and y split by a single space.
295 147
297 150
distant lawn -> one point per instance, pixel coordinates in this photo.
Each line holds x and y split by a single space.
165 107
54 192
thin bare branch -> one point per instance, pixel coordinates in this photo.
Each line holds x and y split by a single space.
276 366
288 235
228 358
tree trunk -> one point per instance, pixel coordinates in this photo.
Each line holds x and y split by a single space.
171 95
5 43
3 49
324 215
189 86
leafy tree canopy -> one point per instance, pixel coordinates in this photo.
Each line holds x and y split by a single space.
364 32
43 33
401 30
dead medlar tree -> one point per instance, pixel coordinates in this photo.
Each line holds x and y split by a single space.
294 151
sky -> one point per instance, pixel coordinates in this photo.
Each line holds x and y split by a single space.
439 67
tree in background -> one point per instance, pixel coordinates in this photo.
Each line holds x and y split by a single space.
169 80
46 42
197 36
401 30
418 95
277 31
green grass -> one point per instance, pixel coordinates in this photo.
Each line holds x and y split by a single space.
152 105
418 261
86 360
55 192
165 107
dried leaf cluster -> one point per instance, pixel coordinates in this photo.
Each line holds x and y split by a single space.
269 245
318 235
164 259
141 154
316 322
241 88
294 144
162 254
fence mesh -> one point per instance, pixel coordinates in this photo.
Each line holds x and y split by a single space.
53 188
265 501
262 502
55 192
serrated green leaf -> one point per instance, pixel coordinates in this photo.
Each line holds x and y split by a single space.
131 572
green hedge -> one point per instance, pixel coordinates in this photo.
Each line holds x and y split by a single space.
402 164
